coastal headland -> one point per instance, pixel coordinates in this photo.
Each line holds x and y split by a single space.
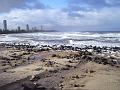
44 67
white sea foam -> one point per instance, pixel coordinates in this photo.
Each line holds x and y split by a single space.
68 38
6 38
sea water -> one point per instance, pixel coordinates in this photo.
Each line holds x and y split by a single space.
64 38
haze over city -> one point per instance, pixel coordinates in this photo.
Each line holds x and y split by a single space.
63 15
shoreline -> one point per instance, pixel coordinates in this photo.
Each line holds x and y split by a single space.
75 39
24 31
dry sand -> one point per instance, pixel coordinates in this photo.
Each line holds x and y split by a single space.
55 69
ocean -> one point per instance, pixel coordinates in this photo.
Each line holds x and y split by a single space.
110 39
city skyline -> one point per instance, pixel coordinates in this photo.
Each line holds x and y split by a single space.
5 26
62 15
26 29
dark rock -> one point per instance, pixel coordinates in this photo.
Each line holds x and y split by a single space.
84 56
65 68
82 85
29 86
54 55
76 85
104 61
35 78
53 88
89 58
41 88
53 71
91 71
77 77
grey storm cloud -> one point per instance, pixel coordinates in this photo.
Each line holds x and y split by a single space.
95 3
7 5
89 5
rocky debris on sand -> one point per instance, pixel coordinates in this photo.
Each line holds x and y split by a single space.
65 68
32 86
49 63
29 85
76 76
76 85
34 77
53 71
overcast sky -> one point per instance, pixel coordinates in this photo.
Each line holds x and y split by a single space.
63 15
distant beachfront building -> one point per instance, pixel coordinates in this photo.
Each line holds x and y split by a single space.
41 28
19 28
4 25
27 27
34 28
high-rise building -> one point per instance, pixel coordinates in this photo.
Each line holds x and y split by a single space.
19 28
34 28
5 25
27 27
41 28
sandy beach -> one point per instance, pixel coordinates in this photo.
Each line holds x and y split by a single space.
62 68
59 44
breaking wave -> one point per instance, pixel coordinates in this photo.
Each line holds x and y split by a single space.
68 38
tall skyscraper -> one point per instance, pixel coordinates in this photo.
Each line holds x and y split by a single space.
5 25
19 28
35 28
27 27
41 28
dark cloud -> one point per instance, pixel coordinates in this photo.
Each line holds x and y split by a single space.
7 5
95 3
89 5
75 14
